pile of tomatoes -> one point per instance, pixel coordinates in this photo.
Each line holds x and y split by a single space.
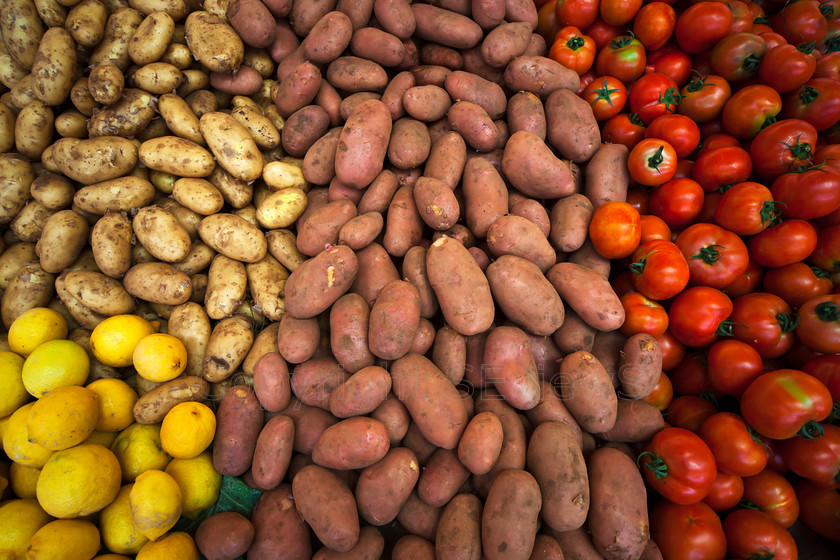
728 252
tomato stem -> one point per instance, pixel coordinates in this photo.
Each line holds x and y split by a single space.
835 412
709 254
639 266
787 321
656 159
832 45
800 150
767 122
761 20
806 48
827 311
811 430
671 97
709 396
755 437
827 10
820 272
623 41
575 42
767 555
725 328
697 83
656 464
746 504
807 94
770 212
751 63
605 93
634 118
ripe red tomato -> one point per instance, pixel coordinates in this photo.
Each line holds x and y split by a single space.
654 227
653 95
722 166
615 230
818 509
652 162
654 24
783 244
826 368
659 270
643 315
782 147
787 67
725 493
801 22
750 109
718 140
619 12
602 32
815 457
753 534
573 50
607 96
747 283
818 102
819 323
732 365
828 154
809 194
672 349
679 465
624 129
678 130
687 532
547 25
702 25
580 13
697 315
736 451
796 283
623 57
678 202
770 492
691 377
738 56
689 411
765 322
828 66
670 61
715 256
826 254
779 403
662 393
747 209
704 97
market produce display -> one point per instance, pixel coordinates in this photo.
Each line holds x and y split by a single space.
458 279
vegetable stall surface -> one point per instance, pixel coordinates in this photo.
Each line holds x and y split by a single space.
362 279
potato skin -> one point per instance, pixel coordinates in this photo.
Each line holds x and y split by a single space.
442 476
473 123
354 74
445 27
159 231
394 320
349 325
213 42
370 546
524 295
189 322
514 446
363 144
233 237
227 347
353 443
95 159
252 21
273 452
271 382
322 227
314 380
505 42
29 287
64 236
539 75
588 392
158 282
485 195
129 115
54 67
589 294
320 281
510 367
514 235
178 156
22 31
458 535
639 367
116 195
607 177
361 393
570 217
572 129
385 486
279 532
329 37
99 293
239 422
326 504
636 421
510 516
227 534
403 223
531 166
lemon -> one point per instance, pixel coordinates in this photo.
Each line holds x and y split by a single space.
160 357
199 482
63 417
78 481
105 439
118 531
34 327
19 520
116 404
155 503
24 479
138 449
114 339
4 421
56 363
112 557
187 430
16 442
174 545
14 394
65 539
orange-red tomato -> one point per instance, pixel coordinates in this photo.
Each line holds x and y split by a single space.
615 230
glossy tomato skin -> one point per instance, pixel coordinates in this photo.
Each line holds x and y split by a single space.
738 56
607 96
654 24
778 403
547 25
742 17
602 32
624 129
715 256
783 244
704 97
735 450
801 22
696 315
826 254
659 270
815 458
787 67
580 13
615 229
678 202
828 66
643 315
818 102
828 154
819 323
673 351
732 366
808 195
725 493
751 533
702 25
619 12
662 394
747 209
689 412
818 509
573 50
623 58
747 283
750 109
826 368
782 147
726 165
770 492
765 322
687 532
798 282
678 130
679 465
691 376
670 61
653 228
652 162
653 95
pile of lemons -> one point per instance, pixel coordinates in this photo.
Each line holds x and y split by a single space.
82 477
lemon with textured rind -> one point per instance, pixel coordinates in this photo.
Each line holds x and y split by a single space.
174 545
16 442
138 449
19 520
68 539
187 430
116 404
54 364
114 339
63 417
105 439
199 482
155 503
160 357
34 327
78 481
24 480
112 557
119 534
14 394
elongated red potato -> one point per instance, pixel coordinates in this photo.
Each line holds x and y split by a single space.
326 504
524 295
510 366
317 283
588 392
531 166
353 443
384 487
510 516
363 144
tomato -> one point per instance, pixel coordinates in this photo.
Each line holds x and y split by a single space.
670 61
623 57
736 451
547 25
698 315
783 244
770 492
819 323
685 169
704 97
687 532
615 230
828 66
753 534
653 95
659 270
702 25
662 393
691 376
725 493
801 22
816 456
787 67
602 32
782 147
652 162
619 12
710 203
828 154
732 365
750 109
746 283
672 349
689 412
654 24
718 140
573 50
678 202
715 256
653 228
624 129
742 18
796 283
579 13
779 403
808 194
765 322
679 465
607 96
643 315
818 509
585 79
637 197
722 166
818 102
826 368
678 130
772 39
746 209
737 56
826 254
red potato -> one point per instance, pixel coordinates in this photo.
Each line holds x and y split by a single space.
430 74
540 75
474 124
394 93
576 544
419 519
413 547
329 38
375 270
314 380
395 16
589 294
361 231
636 421
524 295
521 10
505 42
273 452
361 393
305 15
488 94
303 128
437 204
424 338
329 100
447 159
326 504
414 271
514 235
607 177
379 194
481 443
403 224
570 217
298 89
418 444
246 81
514 447
525 111
279 532
298 339
485 195
310 423
488 13
317 283
546 548
394 415
510 516
432 53
587 257
510 366
239 421
359 11
353 443
252 21
319 161
409 145
640 366
552 409
271 382
449 353
352 74
363 144
458 534
533 211
572 129
442 476
371 545
285 40
546 354
531 166
427 103
446 27
588 392
321 228
224 535
349 323
377 45
351 101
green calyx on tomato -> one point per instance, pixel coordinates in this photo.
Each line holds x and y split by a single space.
709 254
639 266
800 150
806 48
656 159
827 311
762 556
811 430
770 212
634 118
623 41
751 63
832 45
746 504
709 396
671 97
827 10
820 272
697 82
725 328
657 465
761 20
807 94
575 42
605 93
768 121
787 321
